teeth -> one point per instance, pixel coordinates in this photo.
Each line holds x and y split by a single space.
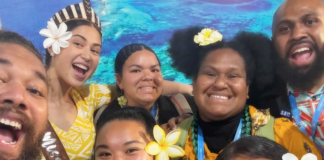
14 124
82 66
4 142
301 49
219 97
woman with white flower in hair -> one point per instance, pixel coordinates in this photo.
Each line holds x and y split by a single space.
221 74
73 46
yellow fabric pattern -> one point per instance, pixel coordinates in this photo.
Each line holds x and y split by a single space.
286 134
292 139
79 140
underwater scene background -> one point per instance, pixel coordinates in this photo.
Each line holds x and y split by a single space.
151 22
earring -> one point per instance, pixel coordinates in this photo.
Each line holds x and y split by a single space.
51 53
122 101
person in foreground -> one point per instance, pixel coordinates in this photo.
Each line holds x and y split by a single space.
124 134
258 148
253 147
221 79
23 98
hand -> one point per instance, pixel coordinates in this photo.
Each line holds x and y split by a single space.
174 122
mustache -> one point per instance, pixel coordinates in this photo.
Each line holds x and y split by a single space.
7 108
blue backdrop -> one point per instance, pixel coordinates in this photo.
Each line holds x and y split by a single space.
142 21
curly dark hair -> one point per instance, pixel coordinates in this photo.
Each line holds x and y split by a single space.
255 49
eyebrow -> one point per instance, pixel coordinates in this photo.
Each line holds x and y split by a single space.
102 146
302 17
42 77
78 35
139 66
131 142
5 62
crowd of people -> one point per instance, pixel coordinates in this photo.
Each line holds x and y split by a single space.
252 97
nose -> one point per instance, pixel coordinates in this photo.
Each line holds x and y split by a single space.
117 158
220 83
148 75
298 33
86 54
13 94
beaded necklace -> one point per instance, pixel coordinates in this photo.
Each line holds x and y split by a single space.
246 128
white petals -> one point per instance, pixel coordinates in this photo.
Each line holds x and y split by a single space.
56 48
290 156
56 36
48 42
46 33
62 29
309 156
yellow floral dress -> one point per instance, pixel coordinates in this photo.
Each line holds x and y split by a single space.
285 134
79 140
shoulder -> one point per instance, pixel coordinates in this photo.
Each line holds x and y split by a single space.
93 93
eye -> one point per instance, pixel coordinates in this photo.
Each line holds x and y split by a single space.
155 70
284 29
131 151
35 91
104 154
210 74
231 76
310 22
78 44
95 51
135 71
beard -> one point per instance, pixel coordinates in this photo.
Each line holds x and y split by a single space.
303 78
30 149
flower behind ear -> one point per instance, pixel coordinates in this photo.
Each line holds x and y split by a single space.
164 145
56 37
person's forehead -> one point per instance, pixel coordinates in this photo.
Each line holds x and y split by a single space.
18 55
295 8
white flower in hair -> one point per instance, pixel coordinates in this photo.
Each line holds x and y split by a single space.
56 37
290 156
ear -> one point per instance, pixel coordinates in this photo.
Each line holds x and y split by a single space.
247 94
118 81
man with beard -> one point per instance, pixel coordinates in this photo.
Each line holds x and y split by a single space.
23 98
298 37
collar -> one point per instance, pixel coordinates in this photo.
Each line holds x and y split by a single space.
297 92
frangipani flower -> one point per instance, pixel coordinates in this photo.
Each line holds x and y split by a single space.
290 156
164 146
56 37
122 101
207 36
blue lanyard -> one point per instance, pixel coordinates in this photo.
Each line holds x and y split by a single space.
296 115
201 149
154 110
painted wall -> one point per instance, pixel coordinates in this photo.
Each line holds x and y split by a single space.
143 21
